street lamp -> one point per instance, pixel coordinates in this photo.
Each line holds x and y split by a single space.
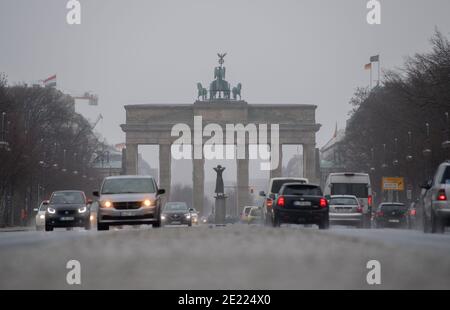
75 171
446 143
3 143
395 161
64 161
409 157
372 151
384 165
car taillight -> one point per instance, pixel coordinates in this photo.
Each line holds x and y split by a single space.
369 200
269 202
413 212
281 201
380 213
359 209
323 203
441 195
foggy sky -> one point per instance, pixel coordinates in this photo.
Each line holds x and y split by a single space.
137 51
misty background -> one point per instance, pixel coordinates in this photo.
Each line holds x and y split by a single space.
285 51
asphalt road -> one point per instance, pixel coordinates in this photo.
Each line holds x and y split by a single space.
233 257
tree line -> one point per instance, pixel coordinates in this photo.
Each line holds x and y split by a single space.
47 146
399 127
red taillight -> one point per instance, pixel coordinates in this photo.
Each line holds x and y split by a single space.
359 209
441 195
369 200
323 203
269 202
413 212
281 201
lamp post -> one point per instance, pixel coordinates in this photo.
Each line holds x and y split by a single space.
64 161
446 143
427 150
3 142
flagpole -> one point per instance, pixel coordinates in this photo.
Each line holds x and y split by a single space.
370 76
379 69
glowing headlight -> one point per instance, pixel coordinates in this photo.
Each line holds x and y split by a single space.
82 210
42 216
147 203
51 210
187 215
107 204
91 218
163 217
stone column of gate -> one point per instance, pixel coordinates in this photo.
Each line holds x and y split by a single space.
242 174
131 157
165 160
198 184
278 172
309 162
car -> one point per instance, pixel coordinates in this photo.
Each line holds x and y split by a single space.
94 213
245 213
355 184
129 200
436 205
345 210
194 217
391 214
299 203
40 215
255 216
176 213
204 220
269 196
67 209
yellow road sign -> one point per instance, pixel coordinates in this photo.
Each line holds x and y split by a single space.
393 184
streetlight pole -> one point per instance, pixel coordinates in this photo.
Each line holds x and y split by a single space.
446 143
3 143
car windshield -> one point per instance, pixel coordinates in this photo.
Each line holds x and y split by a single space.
247 211
277 184
393 207
446 176
255 212
359 190
343 201
176 207
300 189
128 186
67 198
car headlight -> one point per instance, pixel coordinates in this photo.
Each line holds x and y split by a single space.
107 204
82 209
163 217
187 215
51 210
42 216
148 203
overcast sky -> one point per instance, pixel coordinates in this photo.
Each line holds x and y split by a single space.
145 51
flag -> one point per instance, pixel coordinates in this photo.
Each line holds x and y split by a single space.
368 66
50 82
375 58
335 131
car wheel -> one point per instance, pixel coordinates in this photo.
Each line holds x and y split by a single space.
158 224
276 222
48 227
324 223
87 226
189 224
102 227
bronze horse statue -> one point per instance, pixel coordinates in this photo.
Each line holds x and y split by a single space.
237 91
202 92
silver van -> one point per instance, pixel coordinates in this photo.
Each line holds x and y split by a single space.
129 200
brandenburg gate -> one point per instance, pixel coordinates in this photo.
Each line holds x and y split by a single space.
151 124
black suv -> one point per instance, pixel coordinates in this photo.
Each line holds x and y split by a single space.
67 209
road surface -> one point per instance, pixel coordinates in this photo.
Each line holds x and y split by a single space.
233 257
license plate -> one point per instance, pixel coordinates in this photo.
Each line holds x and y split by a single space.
127 213
302 203
175 223
394 221
68 218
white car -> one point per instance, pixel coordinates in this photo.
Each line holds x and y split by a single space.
40 215
346 210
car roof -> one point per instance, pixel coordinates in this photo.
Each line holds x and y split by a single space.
348 174
304 184
289 178
129 177
392 204
69 191
344 196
